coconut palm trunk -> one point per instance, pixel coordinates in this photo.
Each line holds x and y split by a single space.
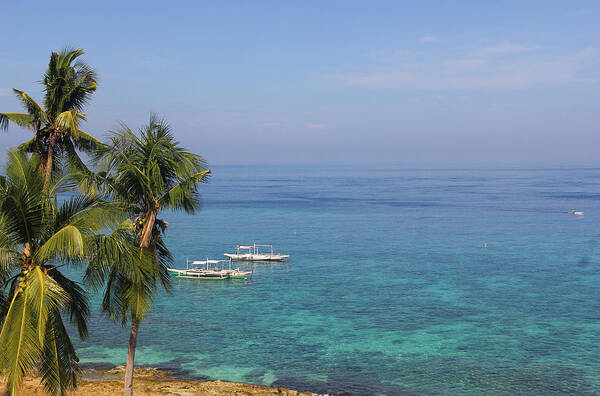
146 233
133 333
144 242
49 160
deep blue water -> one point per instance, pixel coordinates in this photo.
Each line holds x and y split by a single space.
389 289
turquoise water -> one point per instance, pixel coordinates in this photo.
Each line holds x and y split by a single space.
390 289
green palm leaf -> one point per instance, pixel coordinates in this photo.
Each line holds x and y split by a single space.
66 243
18 338
44 295
69 121
8 249
6 261
115 251
22 120
24 328
29 146
23 202
33 109
85 141
58 365
178 197
3 305
76 305
113 303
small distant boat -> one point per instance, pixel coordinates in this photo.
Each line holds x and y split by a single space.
209 269
576 212
256 253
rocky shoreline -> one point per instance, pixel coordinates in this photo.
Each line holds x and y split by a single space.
151 381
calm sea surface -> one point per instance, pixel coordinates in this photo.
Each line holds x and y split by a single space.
389 289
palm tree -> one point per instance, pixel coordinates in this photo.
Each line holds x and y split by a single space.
68 85
37 237
147 173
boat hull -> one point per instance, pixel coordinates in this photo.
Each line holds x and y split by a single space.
257 257
209 275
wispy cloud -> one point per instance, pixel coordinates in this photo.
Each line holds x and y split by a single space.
208 124
270 124
428 39
502 66
502 49
5 92
159 63
315 126
403 53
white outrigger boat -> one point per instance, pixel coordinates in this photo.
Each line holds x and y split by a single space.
209 269
254 253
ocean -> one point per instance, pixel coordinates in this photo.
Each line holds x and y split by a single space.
401 281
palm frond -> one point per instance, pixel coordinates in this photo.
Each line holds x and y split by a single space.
116 251
164 260
35 110
139 296
90 213
44 295
24 203
86 142
30 146
59 363
7 245
62 183
19 342
90 183
153 164
7 261
49 365
66 243
21 169
3 304
3 188
83 83
183 195
73 160
76 305
22 120
113 302
68 82
69 121
24 329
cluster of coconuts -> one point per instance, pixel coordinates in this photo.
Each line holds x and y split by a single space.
23 281
139 221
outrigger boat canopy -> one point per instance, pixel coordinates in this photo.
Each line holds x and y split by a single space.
256 252
207 262
209 269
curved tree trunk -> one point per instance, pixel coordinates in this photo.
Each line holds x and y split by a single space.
144 241
135 325
49 160
146 233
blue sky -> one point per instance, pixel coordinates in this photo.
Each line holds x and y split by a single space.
427 83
